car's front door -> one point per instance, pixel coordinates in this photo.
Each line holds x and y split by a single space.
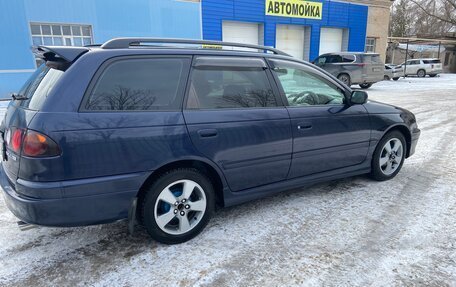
236 118
327 133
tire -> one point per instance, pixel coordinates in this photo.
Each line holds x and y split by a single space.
385 166
395 79
433 75
421 73
181 222
345 78
386 78
365 86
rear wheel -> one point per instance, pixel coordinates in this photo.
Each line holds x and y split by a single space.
365 86
177 206
395 79
389 156
421 73
386 78
432 76
345 78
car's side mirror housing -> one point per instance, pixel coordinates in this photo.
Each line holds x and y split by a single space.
358 98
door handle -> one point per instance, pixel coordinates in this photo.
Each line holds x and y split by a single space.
207 133
304 126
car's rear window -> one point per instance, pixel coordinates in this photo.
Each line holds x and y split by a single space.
38 87
436 61
374 59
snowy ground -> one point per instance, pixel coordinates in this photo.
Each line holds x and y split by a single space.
342 233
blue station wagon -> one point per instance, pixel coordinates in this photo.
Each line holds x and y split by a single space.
159 131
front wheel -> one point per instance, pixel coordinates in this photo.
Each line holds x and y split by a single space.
395 79
389 156
365 86
386 78
433 75
177 206
344 78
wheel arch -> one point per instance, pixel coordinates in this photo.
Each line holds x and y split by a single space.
422 69
403 129
202 165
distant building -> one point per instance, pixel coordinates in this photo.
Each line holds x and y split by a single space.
396 52
305 29
24 23
352 25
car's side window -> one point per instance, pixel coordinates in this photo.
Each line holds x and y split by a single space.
139 84
302 87
222 87
348 58
334 59
321 61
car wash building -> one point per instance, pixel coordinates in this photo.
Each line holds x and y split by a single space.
304 29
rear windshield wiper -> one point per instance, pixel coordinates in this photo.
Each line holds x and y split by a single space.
18 97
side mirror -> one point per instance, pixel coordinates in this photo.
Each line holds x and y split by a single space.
358 97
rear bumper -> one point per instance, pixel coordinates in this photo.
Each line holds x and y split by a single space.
97 207
435 71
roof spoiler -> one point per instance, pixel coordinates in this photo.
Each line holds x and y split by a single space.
59 57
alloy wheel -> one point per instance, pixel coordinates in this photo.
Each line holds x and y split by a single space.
180 207
391 156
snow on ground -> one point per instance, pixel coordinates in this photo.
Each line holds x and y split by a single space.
351 232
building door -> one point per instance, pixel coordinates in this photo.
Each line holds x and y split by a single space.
294 40
242 32
331 40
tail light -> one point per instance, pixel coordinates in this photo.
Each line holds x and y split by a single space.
361 64
32 143
16 140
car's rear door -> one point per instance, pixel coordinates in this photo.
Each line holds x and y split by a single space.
236 119
327 133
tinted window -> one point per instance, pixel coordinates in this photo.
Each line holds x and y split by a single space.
413 62
321 60
139 84
38 87
431 61
374 59
334 59
230 87
304 88
348 58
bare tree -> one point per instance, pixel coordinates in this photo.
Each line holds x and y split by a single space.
422 17
442 10
121 98
401 19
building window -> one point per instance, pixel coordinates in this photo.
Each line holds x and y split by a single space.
370 45
60 35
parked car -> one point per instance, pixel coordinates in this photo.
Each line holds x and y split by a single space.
393 72
162 134
363 69
422 67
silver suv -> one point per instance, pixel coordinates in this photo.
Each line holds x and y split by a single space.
363 69
422 67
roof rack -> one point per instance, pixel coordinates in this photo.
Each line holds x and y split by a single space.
124 43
